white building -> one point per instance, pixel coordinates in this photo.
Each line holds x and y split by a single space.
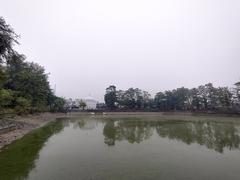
90 102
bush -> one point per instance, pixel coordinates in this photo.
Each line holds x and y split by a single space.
23 105
6 98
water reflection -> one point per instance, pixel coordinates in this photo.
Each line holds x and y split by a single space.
213 135
83 124
18 159
123 130
81 134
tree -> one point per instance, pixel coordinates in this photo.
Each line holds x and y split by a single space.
203 98
82 104
182 96
237 92
170 100
7 39
22 105
160 101
3 76
28 80
146 100
196 102
130 98
58 104
24 86
139 101
6 98
111 97
120 99
236 98
224 98
212 98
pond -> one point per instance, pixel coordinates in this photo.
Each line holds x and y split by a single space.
127 147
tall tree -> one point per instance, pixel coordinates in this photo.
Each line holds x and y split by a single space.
24 86
7 39
146 100
111 97
236 98
170 100
182 98
28 80
160 101
196 100
212 98
224 98
130 98
82 104
237 92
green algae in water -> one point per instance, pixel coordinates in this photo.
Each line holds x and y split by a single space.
18 158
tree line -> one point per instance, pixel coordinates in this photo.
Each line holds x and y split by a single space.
204 98
24 86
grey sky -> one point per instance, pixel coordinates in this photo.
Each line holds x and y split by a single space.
150 44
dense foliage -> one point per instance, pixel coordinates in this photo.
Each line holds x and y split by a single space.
111 97
205 98
24 86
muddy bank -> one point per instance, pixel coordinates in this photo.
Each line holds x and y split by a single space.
12 129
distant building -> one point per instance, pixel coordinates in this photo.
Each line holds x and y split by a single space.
73 105
90 102
69 103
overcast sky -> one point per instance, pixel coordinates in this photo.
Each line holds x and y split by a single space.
155 45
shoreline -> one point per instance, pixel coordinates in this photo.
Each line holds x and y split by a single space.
26 124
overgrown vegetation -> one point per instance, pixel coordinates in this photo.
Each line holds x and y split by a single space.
205 98
24 86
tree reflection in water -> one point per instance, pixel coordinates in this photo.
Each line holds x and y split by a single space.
213 135
124 130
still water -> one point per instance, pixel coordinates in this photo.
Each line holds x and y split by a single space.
127 147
